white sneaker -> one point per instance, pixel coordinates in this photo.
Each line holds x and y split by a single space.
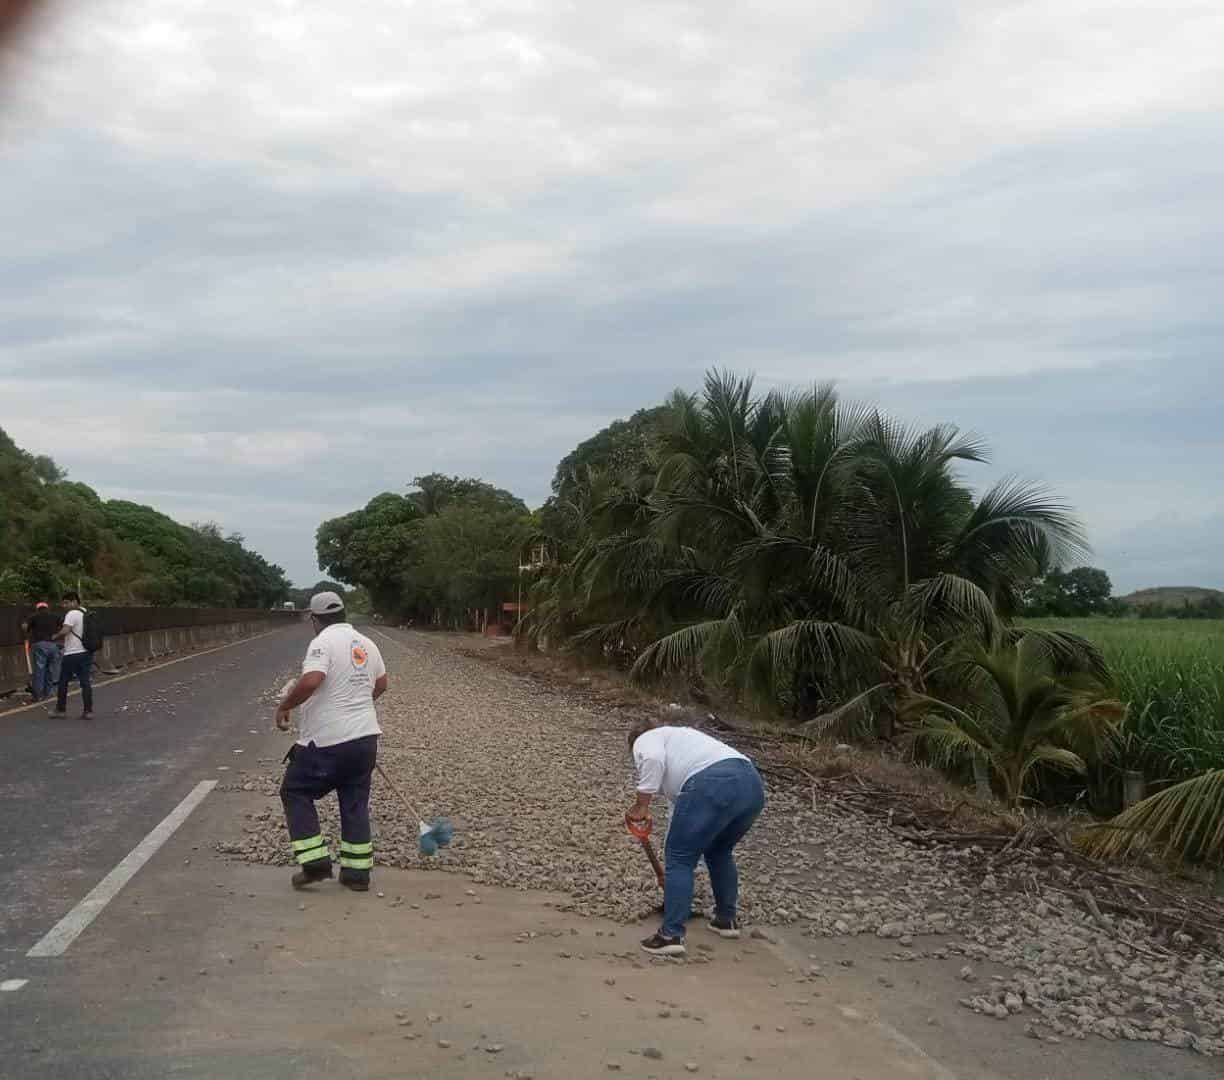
725 928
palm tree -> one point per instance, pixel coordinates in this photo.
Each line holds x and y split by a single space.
603 561
1029 699
818 545
1185 821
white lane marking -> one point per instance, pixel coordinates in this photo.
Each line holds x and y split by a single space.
10 986
387 637
71 926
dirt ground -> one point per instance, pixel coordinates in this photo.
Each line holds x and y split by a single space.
534 772
430 976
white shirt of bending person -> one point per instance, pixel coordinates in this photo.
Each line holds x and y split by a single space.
665 758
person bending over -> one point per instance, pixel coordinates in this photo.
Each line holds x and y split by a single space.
716 794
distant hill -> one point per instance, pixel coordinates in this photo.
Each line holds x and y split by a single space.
1172 596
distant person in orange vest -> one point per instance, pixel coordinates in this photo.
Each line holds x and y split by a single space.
41 628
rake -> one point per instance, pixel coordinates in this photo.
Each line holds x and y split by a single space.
430 837
437 834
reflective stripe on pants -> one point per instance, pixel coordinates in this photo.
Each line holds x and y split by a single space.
357 856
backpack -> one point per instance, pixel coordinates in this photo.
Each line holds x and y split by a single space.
92 635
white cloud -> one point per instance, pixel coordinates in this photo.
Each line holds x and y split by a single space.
469 232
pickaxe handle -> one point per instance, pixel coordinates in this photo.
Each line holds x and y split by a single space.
648 847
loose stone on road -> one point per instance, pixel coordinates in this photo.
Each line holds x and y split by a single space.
533 776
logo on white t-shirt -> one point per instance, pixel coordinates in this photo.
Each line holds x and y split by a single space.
359 656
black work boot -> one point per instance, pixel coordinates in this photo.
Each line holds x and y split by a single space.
357 880
319 870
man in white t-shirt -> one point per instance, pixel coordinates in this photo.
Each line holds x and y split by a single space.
342 676
77 661
716 794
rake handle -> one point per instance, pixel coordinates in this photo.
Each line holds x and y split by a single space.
402 797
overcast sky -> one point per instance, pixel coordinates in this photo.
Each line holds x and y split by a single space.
263 261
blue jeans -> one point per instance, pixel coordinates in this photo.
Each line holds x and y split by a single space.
45 660
715 809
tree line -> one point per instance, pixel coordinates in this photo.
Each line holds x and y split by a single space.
790 551
1087 590
57 534
447 547
789 548
356 601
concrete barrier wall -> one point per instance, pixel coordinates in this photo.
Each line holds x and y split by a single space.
122 650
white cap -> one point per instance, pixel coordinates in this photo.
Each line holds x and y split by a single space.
326 603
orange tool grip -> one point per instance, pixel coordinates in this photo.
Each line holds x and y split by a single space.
640 829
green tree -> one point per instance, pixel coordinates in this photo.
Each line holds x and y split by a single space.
449 545
157 590
373 547
799 549
434 492
30 580
301 597
1075 593
468 558
47 470
1019 703
120 551
618 449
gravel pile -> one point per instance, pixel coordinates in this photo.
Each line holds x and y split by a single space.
536 779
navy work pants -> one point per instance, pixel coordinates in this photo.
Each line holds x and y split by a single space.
315 772
77 666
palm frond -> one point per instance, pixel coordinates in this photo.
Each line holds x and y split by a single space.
679 649
826 644
806 645
822 723
605 634
1065 652
1182 822
1054 757
710 592
948 743
951 603
979 724
1015 532
946 442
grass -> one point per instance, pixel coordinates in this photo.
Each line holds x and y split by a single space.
1171 673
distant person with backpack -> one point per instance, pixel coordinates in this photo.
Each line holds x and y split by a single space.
81 639
41 628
